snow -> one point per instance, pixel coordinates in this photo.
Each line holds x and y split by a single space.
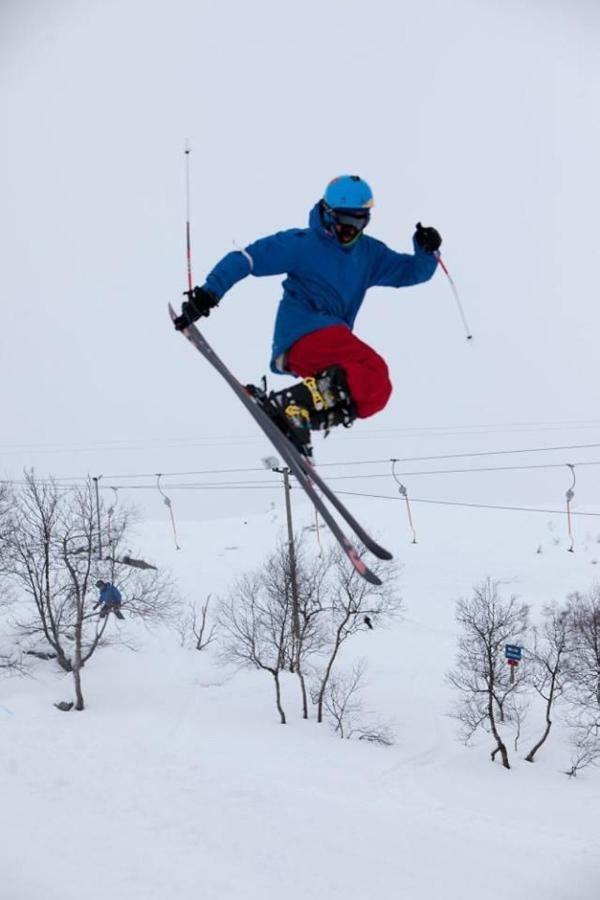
177 780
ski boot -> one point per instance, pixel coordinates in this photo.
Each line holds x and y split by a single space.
317 403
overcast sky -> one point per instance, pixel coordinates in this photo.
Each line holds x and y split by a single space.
480 118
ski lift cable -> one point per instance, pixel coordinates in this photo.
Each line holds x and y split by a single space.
246 483
422 472
364 462
434 430
478 453
361 462
526 509
463 471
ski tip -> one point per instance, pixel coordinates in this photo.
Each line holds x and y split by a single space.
371 577
172 313
381 552
359 565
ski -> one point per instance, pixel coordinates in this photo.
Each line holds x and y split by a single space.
299 465
365 538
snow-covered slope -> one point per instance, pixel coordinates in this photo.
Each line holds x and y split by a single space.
178 782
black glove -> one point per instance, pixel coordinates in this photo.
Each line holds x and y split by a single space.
428 238
199 304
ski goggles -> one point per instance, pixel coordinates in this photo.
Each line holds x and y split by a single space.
355 218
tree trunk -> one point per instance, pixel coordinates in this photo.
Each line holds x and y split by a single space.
500 745
79 704
323 687
534 750
278 697
303 691
64 661
336 647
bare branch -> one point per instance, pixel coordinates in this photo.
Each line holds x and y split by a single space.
549 665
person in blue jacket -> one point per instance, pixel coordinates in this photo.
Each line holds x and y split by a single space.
329 267
109 600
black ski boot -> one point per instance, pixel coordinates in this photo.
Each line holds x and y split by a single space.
316 403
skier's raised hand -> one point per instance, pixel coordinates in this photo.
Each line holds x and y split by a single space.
428 239
199 304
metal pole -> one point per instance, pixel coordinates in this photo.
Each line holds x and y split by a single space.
292 554
96 479
272 464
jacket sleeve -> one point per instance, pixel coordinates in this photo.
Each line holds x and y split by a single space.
271 255
392 269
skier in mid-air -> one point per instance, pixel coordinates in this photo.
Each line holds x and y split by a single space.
329 265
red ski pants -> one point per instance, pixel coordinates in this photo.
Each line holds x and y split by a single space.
366 372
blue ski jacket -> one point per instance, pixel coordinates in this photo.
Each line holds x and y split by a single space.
109 594
326 282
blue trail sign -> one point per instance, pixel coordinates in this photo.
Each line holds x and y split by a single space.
513 651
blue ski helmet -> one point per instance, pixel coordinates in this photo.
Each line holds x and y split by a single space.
346 208
348 192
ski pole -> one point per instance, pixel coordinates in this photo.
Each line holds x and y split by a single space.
187 214
456 296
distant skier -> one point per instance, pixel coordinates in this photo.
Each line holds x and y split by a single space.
109 600
368 623
329 266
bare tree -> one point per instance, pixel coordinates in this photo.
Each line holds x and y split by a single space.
264 624
342 702
516 715
548 665
343 602
480 676
344 709
6 499
585 744
10 662
194 625
583 672
305 597
584 632
255 630
51 557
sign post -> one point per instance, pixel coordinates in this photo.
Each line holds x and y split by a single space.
513 655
